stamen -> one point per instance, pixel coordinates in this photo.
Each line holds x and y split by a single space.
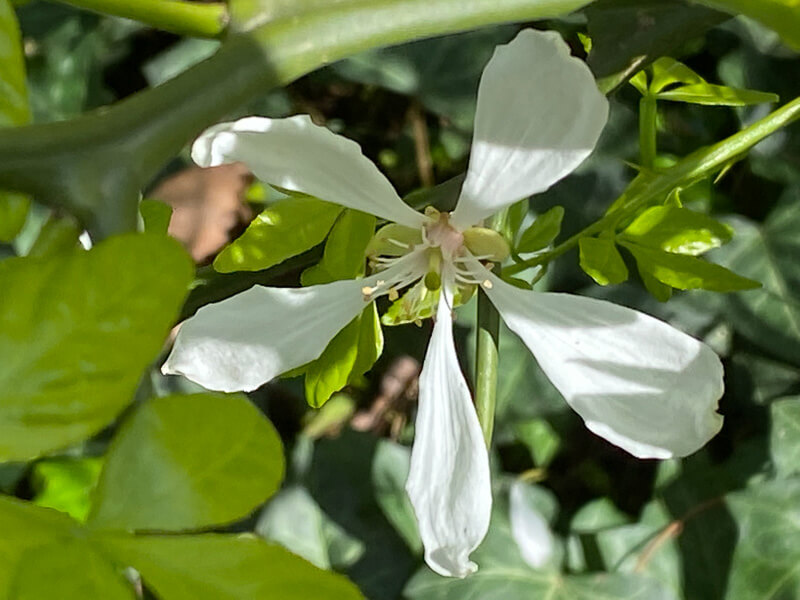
393 294
487 284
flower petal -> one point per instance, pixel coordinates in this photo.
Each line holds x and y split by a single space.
539 116
250 338
448 483
529 528
636 381
297 155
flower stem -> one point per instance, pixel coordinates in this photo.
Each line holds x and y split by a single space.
486 353
647 188
647 131
207 20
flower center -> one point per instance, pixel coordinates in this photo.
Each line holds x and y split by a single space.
440 234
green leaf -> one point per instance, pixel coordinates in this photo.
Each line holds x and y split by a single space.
716 95
350 354
70 568
668 71
78 331
785 435
677 230
295 520
543 231
390 467
186 462
225 567
628 34
541 439
601 260
156 216
783 16
765 562
687 272
285 229
344 255
660 291
770 317
57 236
66 484
14 110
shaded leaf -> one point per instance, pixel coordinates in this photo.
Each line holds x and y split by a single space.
156 216
600 259
186 462
543 231
785 435
782 16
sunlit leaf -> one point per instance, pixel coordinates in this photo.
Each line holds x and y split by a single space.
781 15
186 462
687 272
78 331
285 229
677 230
156 216
600 259
543 231
66 484
716 95
344 256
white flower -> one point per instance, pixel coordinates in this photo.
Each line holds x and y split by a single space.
635 380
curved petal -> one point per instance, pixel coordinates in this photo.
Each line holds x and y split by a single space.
297 155
448 483
539 116
243 342
636 381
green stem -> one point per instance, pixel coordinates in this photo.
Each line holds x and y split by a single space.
647 188
648 128
486 351
178 16
96 164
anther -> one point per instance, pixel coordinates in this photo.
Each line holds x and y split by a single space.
487 284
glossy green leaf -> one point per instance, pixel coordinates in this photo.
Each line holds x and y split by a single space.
26 527
70 568
600 259
660 291
344 255
543 231
668 71
295 521
783 16
785 435
677 230
688 272
285 229
66 484
78 331
765 562
186 462
156 216
716 95
14 110
349 355
225 567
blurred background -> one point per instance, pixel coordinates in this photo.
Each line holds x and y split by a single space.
343 506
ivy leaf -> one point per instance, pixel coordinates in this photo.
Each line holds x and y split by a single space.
186 462
14 110
285 229
78 331
687 272
716 95
785 435
225 567
600 259
677 230
70 568
543 231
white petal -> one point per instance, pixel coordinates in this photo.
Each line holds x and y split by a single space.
636 381
539 116
250 338
529 528
297 155
448 483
